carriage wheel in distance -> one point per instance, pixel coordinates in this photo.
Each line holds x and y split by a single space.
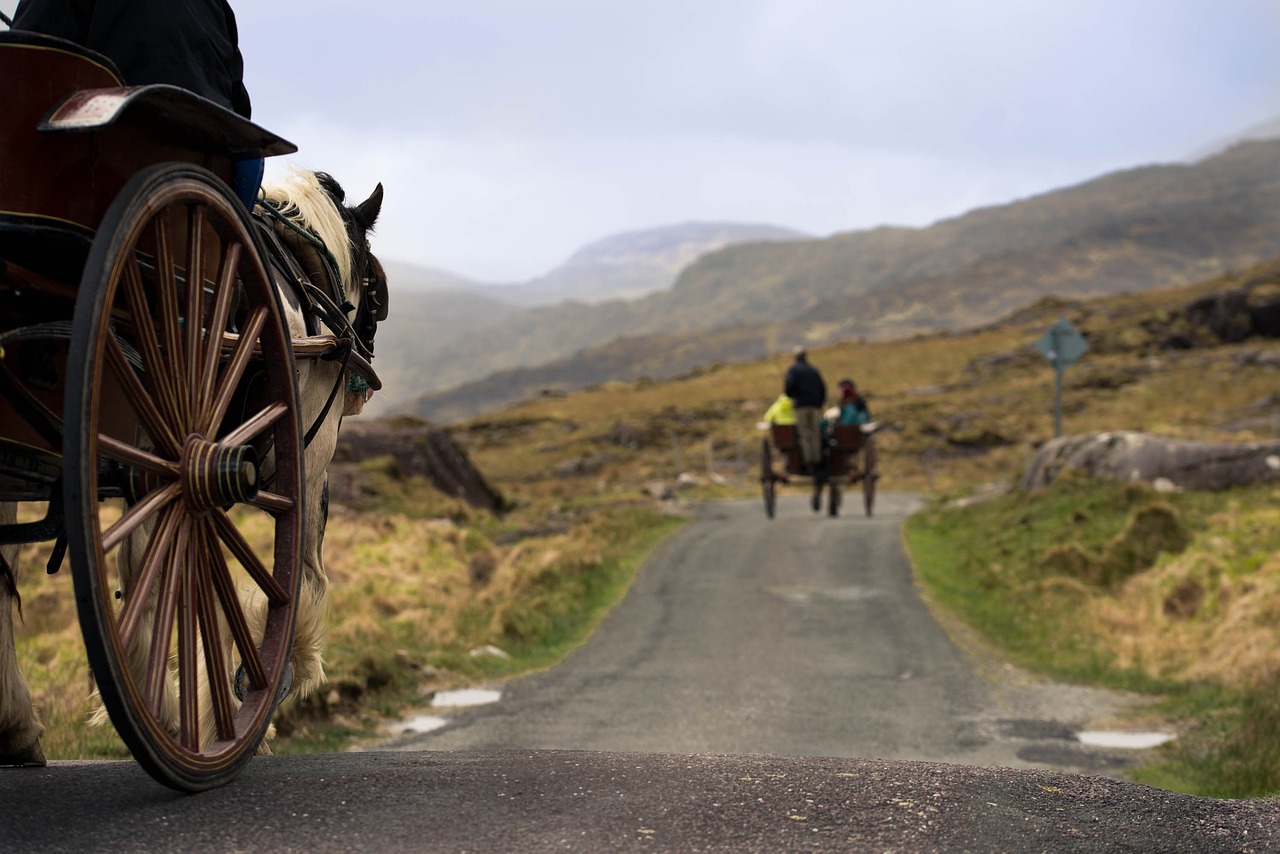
767 480
870 474
183 454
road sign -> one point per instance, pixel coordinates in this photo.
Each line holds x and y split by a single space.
1062 344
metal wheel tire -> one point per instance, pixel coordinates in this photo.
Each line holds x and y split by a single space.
767 480
869 476
183 453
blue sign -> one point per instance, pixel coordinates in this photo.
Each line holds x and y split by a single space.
1062 344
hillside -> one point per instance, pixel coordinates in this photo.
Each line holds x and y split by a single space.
636 263
434 310
1130 231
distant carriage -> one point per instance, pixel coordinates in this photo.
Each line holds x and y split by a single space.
173 403
849 458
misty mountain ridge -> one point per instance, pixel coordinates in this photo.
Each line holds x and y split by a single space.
1152 226
635 263
434 309
621 266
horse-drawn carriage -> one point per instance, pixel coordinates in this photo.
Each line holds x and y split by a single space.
167 391
849 457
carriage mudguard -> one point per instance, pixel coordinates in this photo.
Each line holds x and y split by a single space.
166 114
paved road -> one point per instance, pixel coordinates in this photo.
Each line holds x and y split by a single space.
742 641
535 801
805 636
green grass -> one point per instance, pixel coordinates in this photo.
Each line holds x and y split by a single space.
1043 576
536 610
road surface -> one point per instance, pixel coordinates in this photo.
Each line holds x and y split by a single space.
765 686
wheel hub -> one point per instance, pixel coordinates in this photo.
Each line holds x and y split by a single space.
217 475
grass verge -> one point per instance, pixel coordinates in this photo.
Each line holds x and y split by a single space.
1116 585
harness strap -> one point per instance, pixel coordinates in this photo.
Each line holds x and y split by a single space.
317 307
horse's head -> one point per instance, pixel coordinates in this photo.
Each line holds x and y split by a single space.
366 283
331 242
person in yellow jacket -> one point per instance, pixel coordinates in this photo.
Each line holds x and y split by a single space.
781 411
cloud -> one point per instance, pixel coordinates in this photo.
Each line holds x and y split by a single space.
510 133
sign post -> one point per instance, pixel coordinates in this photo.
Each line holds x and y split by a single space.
1061 346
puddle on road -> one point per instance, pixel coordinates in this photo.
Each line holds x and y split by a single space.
803 595
422 723
465 697
1128 740
447 700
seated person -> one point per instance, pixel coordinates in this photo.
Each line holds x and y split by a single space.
853 407
782 412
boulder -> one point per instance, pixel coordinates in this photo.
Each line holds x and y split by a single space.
419 450
1175 463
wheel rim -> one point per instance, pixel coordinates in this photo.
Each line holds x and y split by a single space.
766 478
176 540
869 478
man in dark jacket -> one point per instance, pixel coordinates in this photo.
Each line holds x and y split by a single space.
804 385
193 44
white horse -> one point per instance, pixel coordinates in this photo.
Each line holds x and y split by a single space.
333 244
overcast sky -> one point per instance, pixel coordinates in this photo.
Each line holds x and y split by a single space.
509 133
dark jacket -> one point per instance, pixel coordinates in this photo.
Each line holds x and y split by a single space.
189 43
804 385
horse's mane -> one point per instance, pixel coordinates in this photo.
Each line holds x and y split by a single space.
300 197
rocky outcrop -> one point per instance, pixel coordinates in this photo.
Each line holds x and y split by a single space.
1168 463
419 450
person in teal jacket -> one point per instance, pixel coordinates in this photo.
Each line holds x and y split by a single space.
853 407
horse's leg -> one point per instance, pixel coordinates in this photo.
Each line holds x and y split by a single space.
20 728
313 605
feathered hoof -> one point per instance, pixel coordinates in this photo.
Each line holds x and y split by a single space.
31 757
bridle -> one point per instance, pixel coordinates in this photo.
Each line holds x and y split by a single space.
303 258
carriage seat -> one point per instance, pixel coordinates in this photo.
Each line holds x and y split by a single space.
93 96
72 135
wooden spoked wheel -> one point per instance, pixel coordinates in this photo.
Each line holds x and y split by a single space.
183 457
869 476
767 479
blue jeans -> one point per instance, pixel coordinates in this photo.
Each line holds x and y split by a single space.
246 178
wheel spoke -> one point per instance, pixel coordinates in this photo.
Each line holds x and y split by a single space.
153 421
243 552
215 662
233 609
114 449
218 324
272 502
235 371
154 561
166 610
137 514
193 320
170 330
254 426
148 341
188 673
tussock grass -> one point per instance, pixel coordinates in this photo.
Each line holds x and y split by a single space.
1187 610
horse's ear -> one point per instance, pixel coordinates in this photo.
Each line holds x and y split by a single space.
367 211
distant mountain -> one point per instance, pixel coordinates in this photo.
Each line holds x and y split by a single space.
1265 130
636 263
1148 227
435 313
407 277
